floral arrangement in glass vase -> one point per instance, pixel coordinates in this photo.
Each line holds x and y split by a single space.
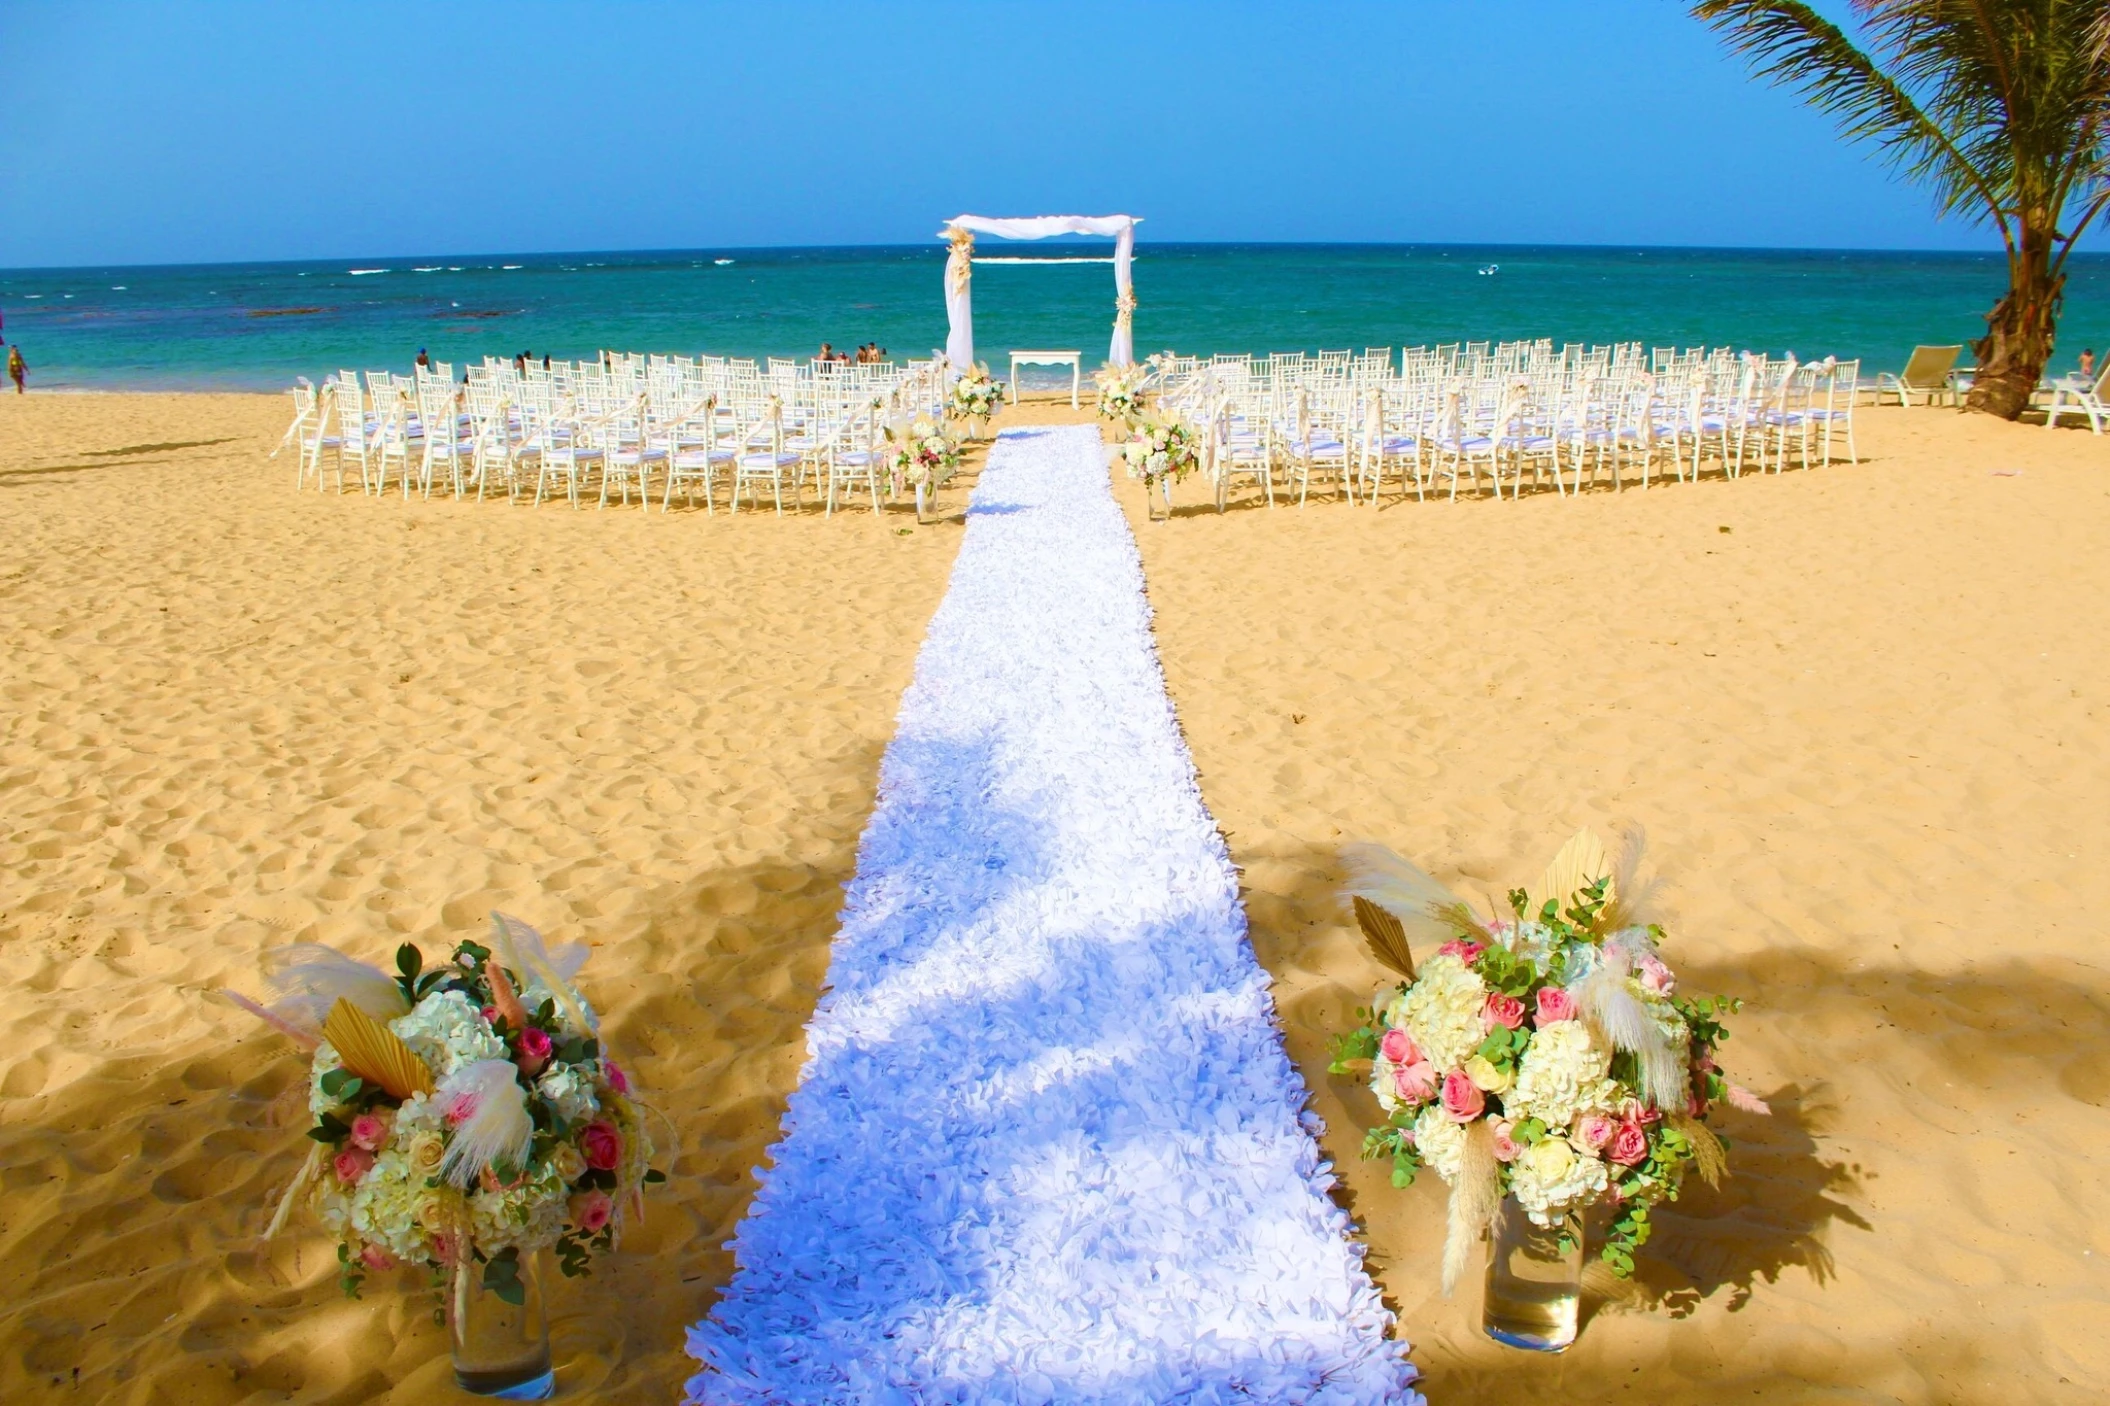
976 396
1161 450
1544 1055
1121 392
464 1115
922 455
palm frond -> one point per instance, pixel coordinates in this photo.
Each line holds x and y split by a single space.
1790 44
1386 937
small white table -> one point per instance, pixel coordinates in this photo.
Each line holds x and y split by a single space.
1072 359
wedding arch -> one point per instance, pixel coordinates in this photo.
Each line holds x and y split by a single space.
959 271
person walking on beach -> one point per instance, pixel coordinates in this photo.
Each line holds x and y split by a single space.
2088 364
17 368
424 361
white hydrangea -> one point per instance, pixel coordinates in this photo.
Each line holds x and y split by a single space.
332 1206
1532 940
325 1060
1442 1012
1553 1176
569 1091
420 1113
530 1215
1562 1075
536 992
1440 1141
1384 1076
1664 1016
447 1032
384 1207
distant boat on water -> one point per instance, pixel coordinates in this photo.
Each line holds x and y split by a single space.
1490 269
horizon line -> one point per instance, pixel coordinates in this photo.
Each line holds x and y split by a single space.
936 248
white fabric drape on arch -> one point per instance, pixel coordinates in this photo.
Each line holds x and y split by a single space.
959 302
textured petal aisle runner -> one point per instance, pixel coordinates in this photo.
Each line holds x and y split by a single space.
1047 1144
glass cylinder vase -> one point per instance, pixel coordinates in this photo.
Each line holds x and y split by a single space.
501 1348
1534 1280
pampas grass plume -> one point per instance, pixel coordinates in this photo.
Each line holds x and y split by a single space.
498 1128
1430 913
309 978
1475 1196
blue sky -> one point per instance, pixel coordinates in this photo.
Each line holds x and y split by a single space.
177 132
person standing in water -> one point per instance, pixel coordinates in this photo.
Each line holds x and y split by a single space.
17 367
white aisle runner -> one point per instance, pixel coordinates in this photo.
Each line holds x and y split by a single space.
1046 1145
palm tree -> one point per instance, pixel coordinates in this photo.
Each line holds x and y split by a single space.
1998 105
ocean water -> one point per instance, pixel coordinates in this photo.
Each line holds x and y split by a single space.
256 326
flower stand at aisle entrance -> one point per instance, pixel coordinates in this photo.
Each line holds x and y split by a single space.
1543 1062
1046 1145
466 1121
1160 452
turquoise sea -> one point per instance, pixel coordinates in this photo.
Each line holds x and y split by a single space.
256 326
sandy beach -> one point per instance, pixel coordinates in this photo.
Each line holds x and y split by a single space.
238 717
1860 710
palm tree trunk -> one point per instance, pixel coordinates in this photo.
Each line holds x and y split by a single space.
2019 331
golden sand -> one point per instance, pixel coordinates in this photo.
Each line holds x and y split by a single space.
1865 727
238 716
1862 713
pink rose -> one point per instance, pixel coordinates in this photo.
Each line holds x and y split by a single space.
590 1211
352 1164
1398 1046
617 1079
1629 1145
1555 1004
490 1015
1507 1148
1416 1082
1595 1131
1466 952
1462 1100
377 1259
369 1130
602 1145
534 1045
1505 1011
1656 979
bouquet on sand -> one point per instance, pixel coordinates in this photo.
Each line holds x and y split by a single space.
1161 450
1542 1060
464 1116
921 454
976 396
1121 392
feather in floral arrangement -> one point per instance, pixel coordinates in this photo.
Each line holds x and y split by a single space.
464 1114
1543 1054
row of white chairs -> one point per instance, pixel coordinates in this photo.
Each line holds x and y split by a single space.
1572 417
614 428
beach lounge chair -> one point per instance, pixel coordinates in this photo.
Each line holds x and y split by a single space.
2070 395
1926 374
